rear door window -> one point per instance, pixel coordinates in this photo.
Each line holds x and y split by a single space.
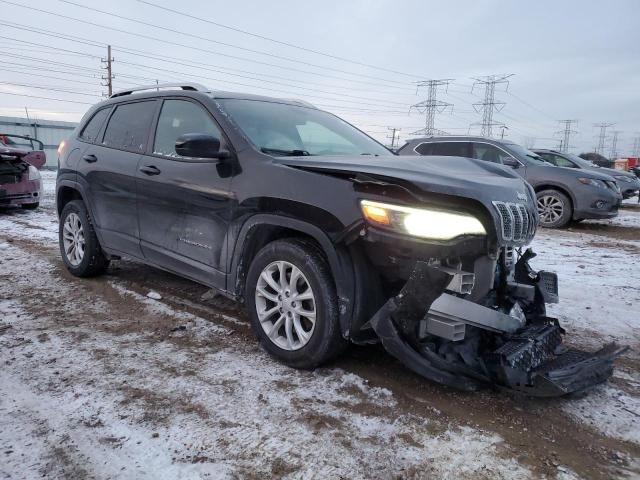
128 127
92 128
445 149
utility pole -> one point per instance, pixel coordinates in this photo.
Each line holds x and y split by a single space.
109 77
566 134
35 128
503 127
614 145
489 105
431 105
393 136
603 136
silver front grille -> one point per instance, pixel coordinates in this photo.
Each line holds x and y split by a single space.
518 223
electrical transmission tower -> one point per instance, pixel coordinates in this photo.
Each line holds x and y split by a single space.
566 134
431 105
636 147
108 79
489 105
395 134
602 138
614 145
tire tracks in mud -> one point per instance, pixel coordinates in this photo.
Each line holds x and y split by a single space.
536 431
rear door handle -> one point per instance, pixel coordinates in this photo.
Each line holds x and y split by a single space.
90 158
150 170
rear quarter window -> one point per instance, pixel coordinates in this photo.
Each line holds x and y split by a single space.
129 125
92 128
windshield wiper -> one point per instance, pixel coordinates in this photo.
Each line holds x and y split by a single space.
288 153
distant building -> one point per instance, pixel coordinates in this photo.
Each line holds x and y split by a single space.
49 132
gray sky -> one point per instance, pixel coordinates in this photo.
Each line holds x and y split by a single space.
570 60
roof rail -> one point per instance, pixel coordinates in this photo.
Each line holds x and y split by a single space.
195 87
302 102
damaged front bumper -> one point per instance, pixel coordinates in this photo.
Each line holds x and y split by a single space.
466 345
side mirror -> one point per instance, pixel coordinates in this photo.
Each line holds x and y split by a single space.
199 145
511 162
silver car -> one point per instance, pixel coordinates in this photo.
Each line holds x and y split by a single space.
629 184
563 194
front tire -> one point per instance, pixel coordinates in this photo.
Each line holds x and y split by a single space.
554 209
79 246
292 304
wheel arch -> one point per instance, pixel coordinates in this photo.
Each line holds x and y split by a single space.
67 191
565 191
261 229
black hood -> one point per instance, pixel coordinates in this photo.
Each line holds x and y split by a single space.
462 177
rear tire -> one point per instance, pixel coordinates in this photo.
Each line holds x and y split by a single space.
554 208
30 206
79 246
288 281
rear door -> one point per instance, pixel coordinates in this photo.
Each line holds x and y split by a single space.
183 203
108 170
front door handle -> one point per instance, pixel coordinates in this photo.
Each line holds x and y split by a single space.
90 158
150 170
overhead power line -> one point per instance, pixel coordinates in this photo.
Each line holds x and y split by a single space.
52 89
199 64
156 39
269 39
44 98
381 103
374 102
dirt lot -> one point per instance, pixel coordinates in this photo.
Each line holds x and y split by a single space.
100 381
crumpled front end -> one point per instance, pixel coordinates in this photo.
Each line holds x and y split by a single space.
446 330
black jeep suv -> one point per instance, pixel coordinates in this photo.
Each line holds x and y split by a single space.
324 234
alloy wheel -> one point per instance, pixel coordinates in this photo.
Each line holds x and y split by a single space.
73 239
550 209
285 305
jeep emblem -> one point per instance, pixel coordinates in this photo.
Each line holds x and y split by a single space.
521 196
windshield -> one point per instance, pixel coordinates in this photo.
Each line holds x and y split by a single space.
525 155
282 129
579 160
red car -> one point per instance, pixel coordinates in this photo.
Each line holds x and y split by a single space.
20 159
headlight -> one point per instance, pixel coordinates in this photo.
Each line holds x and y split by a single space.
34 174
593 182
421 222
623 179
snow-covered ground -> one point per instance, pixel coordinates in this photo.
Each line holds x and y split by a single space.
101 381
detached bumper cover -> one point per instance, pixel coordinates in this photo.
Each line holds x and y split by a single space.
531 360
